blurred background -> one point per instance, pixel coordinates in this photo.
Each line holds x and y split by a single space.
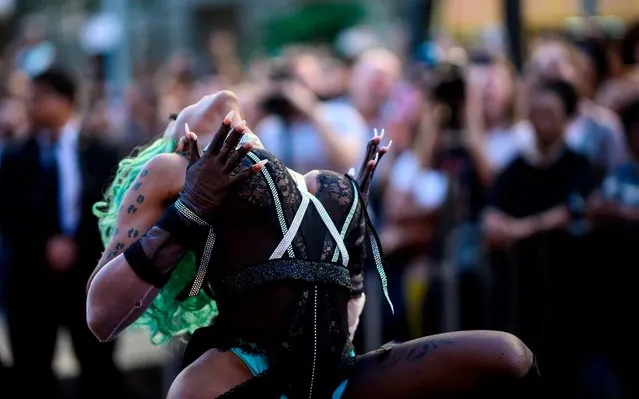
472 94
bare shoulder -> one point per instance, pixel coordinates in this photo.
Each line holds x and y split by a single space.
164 174
212 375
319 179
330 187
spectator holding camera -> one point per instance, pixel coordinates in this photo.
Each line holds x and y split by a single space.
304 132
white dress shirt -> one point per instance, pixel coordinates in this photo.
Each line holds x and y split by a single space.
69 177
429 187
303 142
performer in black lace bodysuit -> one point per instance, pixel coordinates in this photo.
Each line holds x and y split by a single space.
283 256
289 311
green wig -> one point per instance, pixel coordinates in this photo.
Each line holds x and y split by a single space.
166 317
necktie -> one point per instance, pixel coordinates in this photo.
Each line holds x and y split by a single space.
50 185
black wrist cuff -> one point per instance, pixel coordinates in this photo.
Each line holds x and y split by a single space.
143 267
173 222
185 226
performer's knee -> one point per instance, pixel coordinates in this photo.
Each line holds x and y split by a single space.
518 375
517 358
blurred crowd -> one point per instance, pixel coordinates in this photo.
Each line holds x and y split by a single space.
509 199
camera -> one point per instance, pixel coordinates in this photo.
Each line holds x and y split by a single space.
449 90
276 103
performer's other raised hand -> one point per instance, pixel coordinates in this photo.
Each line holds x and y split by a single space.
374 154
210 175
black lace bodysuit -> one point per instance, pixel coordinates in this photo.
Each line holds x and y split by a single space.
292 309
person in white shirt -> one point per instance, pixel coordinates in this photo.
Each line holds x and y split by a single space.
303 131
48 186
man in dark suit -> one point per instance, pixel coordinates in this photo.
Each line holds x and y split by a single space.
48 185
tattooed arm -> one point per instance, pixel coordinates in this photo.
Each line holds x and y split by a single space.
116 296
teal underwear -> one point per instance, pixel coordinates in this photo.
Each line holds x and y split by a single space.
256 362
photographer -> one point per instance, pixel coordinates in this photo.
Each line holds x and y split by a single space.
303 131
460 152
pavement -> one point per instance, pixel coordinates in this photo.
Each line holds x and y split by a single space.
134 351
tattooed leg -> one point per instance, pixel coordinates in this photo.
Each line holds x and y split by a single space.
452 364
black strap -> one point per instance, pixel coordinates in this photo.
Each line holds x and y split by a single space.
373 238
175 224
190 235
143 267
250 278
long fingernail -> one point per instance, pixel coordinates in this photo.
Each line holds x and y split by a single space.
248 146
261 164
381 136
374 133
240 126
376 157
228 119
186 127
351 172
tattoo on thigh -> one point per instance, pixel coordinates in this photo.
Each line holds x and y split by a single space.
144 173
390 357
132 209
133 233
420 352
137 186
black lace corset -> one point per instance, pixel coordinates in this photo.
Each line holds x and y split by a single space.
287 319
250 227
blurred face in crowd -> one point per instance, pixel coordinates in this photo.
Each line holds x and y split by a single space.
143 103
12 117
586 75
548 117
46 108
180 67
335 78
308 70
498 93
33 32
372 81
553 60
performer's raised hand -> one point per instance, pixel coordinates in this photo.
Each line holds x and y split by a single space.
210 175
373 155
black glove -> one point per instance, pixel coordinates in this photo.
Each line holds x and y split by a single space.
187 224
210 176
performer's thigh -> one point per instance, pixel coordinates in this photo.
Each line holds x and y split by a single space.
448 363
213 374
